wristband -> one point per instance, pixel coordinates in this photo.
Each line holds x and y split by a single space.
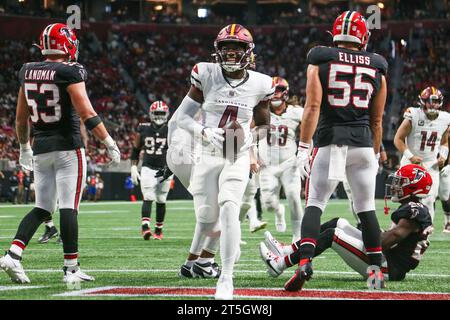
408 154
303 146
109 142
25 146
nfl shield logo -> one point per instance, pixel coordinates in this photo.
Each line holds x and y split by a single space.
231 93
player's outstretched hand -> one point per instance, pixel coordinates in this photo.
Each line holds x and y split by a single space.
135 176
214 136
163 173
26 157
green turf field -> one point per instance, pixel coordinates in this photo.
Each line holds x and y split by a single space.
112 250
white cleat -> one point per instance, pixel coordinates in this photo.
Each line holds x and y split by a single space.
280 249
14 269
273 262
446 228
258 226
224 288
280 221
74 275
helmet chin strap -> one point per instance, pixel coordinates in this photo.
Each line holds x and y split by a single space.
276 103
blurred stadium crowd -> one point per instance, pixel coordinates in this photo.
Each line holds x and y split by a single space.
133 69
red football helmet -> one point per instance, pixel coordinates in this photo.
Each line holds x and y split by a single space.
281 91
351 26
57 38
431 100
410 180
159 112
232 60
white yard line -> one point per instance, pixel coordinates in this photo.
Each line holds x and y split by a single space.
429 275
6 288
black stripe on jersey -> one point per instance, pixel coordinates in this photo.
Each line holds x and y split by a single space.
347 22
198 81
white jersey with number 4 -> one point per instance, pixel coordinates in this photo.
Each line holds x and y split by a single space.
425 136
228 99
280 144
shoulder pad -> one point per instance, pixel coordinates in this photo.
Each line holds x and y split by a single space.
380 63
72 72
319 55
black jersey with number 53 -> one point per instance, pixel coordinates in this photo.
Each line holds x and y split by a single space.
56 125
154 144
350 79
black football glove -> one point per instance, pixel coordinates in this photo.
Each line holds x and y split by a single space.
165 173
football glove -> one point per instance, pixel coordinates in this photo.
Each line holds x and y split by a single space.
163 173
214 136
26 157
303 160
135 176
113 151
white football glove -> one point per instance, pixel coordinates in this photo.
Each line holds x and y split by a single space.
445 171
113 151
135 176
303 160
26 156
214 136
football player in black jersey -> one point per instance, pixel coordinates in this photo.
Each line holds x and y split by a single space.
403 245
152 138
53 96
345 98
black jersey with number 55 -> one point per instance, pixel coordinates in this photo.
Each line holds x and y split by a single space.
56 125
154 144
350 79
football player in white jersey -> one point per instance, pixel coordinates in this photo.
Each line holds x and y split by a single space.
422 138
278 156
224 91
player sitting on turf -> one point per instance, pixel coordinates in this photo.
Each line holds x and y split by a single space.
403 245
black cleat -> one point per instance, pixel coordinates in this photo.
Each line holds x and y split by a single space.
146 232
48 234
302 274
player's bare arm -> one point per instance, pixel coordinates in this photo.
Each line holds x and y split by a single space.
400 141
312 106
22 118
84 134
404 228
376 115
92 121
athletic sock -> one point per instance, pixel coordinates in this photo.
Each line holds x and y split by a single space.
160 215
146 209
205 260
310 232
27 228
258 204
229 237
323 243
69 236
371 235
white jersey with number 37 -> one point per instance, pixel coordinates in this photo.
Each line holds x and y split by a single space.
227 99
425 136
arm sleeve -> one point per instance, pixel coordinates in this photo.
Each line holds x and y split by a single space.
72 73
408 114
317 55
22 75
186 113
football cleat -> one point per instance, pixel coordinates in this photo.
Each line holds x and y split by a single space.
146 232
224 288
273 262
185 272
49 233
74 274
205 270
379 283
280 221
14 269
302 274
158 235
446 228
278 248
258 226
